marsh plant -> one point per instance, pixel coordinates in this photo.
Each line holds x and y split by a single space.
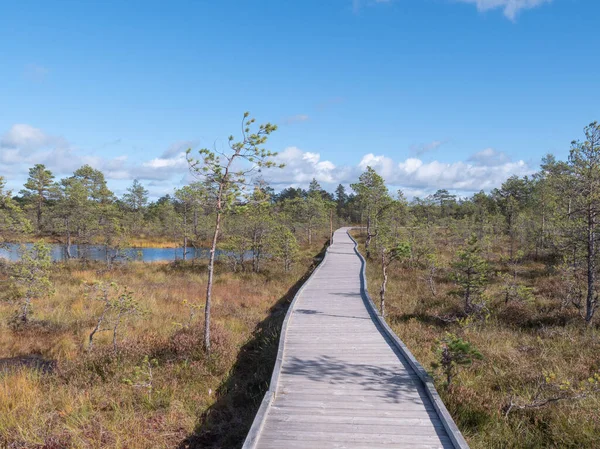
454 353
30 278
118 306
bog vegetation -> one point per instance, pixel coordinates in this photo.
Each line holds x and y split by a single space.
495 293
498 295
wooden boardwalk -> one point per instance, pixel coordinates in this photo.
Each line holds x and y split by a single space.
341 380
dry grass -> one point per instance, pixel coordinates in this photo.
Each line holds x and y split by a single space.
144 242
87 402
519 342
148 241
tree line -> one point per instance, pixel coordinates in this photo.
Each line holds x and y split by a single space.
550 215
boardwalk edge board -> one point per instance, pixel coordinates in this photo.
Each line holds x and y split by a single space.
265 405
451 428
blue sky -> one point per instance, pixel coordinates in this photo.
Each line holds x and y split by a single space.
455 94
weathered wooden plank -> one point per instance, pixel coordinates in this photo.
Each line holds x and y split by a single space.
357 400
284 417
383 365
353 428
334 389
363 413
293 444
294 380
310 437
330 403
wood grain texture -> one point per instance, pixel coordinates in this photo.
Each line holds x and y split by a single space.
342 381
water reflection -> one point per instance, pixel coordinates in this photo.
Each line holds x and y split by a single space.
98 252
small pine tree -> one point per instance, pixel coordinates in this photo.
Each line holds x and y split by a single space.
220 172
38 188
284 246
30 276
470 273
452 353
373 197
143 376
118 305
389 248
389 254
12 218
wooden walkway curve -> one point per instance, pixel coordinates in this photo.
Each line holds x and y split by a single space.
342 378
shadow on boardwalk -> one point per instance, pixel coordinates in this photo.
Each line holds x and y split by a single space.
226 423
390 384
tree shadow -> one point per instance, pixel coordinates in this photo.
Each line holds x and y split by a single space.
227 422
316 312
421 317
33 362
393 384
380 384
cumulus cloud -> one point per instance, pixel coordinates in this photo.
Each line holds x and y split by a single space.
24 145
160 168
460 176
469 176
490 157
509 7
27 139
483 170
381 164
163 163
300 168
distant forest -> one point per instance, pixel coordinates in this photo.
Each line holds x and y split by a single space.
552 214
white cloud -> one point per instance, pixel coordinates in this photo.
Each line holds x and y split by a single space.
300 168
382 164
458 176
9 156
482 171
410 165
24 145
27 139
159 162
509 7
490 157
162 168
